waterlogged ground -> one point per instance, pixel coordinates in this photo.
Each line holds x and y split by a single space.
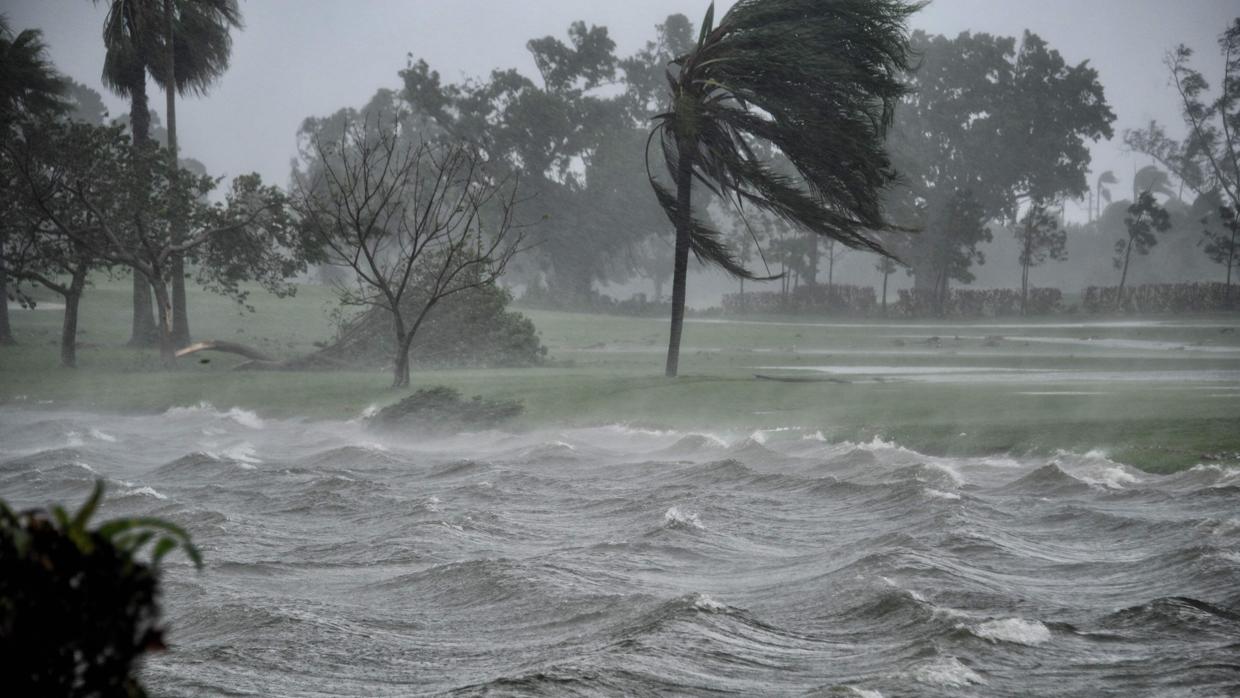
615 560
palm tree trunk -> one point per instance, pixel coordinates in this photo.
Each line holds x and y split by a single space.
680 266
180 316
143 332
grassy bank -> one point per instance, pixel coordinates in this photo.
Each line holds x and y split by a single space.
1159 396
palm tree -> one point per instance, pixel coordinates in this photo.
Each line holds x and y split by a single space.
29 86
180 43
126 36
817 81
195 52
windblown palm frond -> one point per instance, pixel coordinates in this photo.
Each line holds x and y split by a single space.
135 33
815 80
202 44
29 83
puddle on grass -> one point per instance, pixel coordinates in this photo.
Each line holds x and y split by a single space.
988 374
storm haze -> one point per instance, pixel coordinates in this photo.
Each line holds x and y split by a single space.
301 58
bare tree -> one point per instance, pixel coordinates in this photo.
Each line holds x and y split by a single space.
416 220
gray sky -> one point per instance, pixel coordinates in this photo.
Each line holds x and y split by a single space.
298 58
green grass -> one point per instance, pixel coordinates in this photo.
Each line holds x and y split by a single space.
609 369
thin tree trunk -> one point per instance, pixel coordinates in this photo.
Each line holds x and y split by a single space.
1231 255
811 271
400 371
885 275
680 266
6 331
167 349
180 315
68 331
742 300
143 332
1119 297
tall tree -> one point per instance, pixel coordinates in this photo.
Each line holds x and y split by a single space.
1101 192
988 124
885 266
126 37
417 221
1040 238
1145 217
817 81
196 48
184 45
30 88
1208 160
45 235
124 192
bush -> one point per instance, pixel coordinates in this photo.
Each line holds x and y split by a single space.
441 409
1162 298
839 299
968 302
471 329
77 609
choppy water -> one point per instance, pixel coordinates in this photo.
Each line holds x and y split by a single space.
620 561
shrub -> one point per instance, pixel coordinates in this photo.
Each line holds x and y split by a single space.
469 329
1162 298
840 299
441 409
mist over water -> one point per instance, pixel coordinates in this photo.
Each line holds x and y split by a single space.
621 561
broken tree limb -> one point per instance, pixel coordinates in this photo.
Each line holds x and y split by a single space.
229 347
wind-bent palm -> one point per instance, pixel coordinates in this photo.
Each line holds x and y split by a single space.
138 35
29 84
815 80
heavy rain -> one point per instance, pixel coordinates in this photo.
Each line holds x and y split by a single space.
661 347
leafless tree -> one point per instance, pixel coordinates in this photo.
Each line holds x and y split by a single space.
416 220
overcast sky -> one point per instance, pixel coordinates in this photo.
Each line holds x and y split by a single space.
298 58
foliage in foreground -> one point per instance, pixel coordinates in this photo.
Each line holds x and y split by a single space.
77 608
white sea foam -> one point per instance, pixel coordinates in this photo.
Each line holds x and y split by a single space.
939 494
74 440
1113 477
245 418
1014 630
146 491
370 411
102 436
243 452
702 602
675 518
947 672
